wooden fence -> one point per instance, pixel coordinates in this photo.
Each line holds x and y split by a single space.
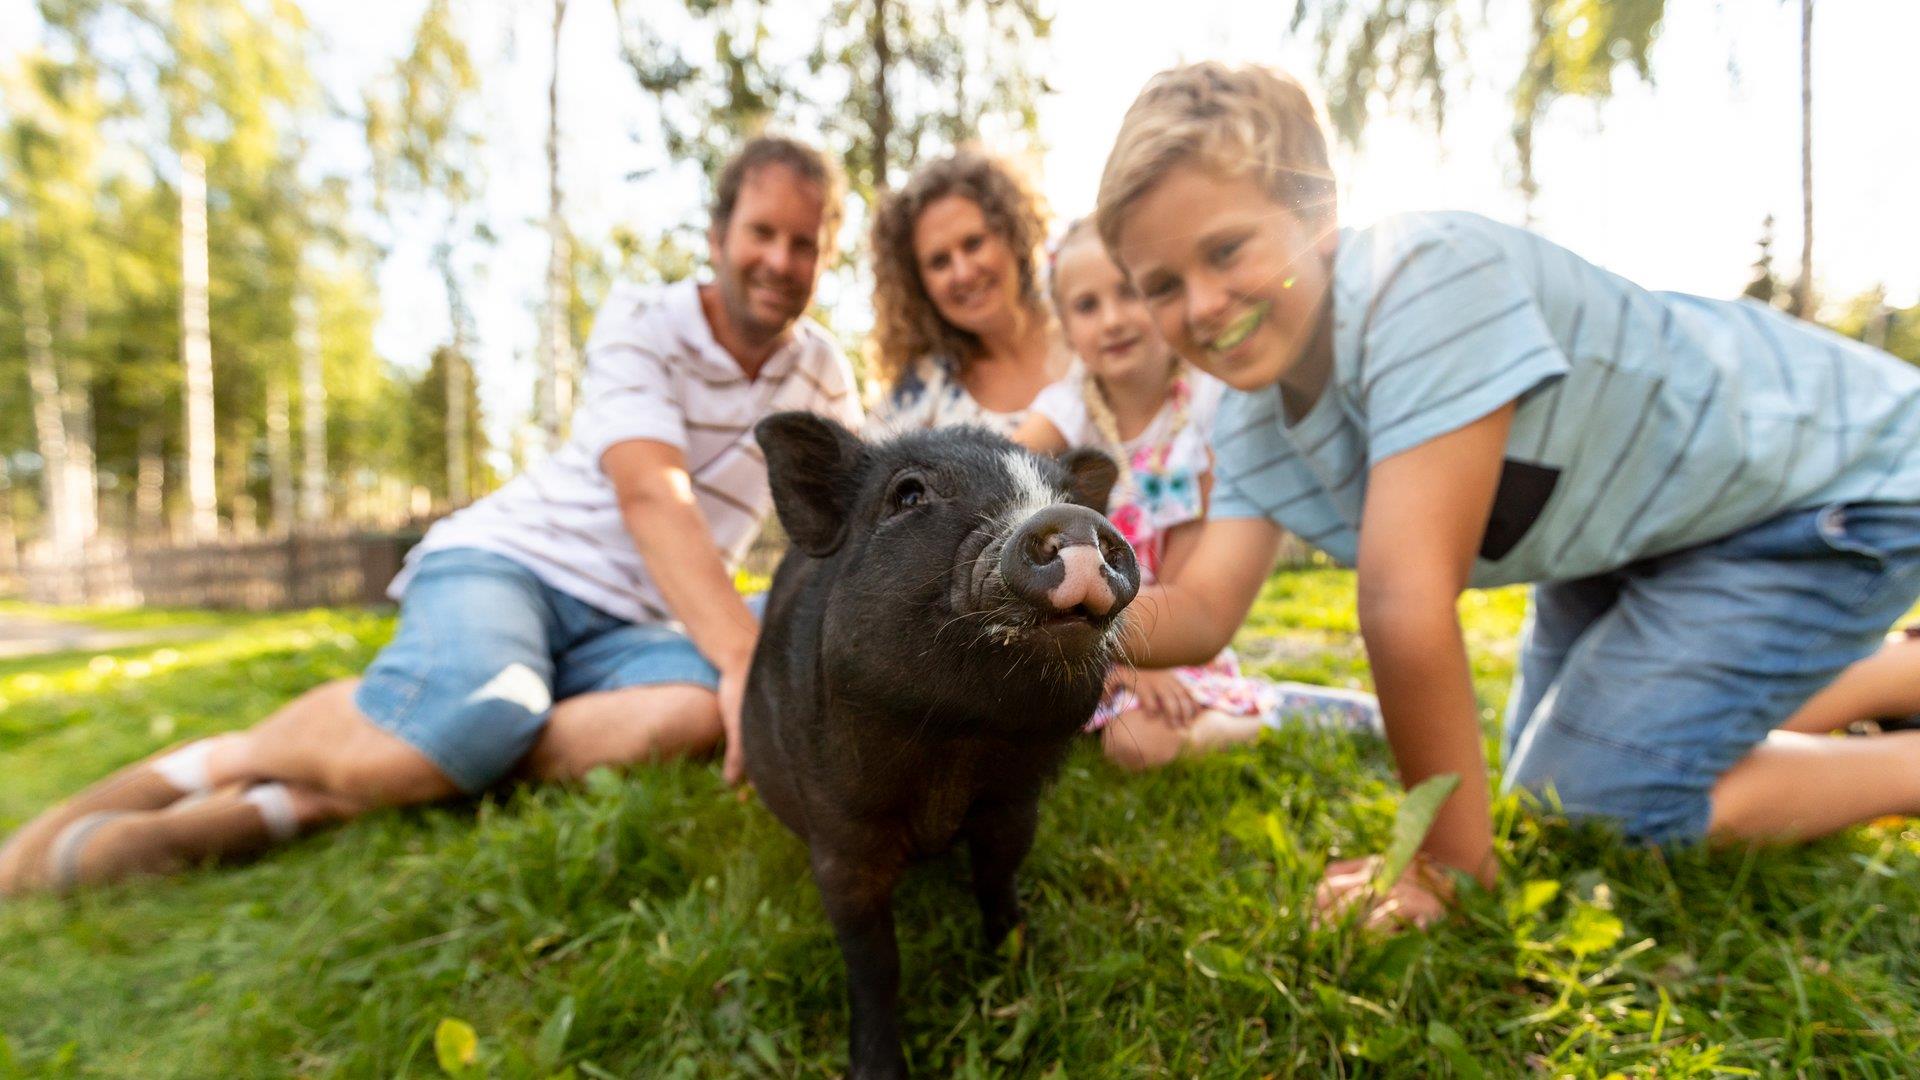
258 575
284 573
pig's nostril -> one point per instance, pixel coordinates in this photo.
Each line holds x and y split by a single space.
1043 547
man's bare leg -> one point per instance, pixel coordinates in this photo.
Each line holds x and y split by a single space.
315 760
634 726
320 741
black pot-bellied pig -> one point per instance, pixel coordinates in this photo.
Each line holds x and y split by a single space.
933 641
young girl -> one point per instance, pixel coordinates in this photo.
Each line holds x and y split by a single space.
1132 397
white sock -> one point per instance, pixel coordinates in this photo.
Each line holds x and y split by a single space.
275 804
186 768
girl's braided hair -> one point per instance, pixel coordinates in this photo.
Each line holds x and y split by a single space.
1099 412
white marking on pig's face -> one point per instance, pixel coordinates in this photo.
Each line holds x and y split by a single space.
1032 492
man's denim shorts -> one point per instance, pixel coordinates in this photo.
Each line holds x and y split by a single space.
485 648
1638 688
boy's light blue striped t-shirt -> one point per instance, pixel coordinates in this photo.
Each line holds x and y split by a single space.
1647 421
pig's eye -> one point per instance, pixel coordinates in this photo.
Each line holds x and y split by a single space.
908 492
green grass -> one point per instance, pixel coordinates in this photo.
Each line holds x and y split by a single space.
656 926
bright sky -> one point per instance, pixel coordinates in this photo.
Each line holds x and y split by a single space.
1667 185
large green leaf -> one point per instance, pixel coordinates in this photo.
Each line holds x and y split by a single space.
1410 826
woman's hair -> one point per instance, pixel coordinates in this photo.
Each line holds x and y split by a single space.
907 325
1232 121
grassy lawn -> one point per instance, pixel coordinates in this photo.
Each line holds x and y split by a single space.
657 926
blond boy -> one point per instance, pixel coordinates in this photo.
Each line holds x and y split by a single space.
1718 507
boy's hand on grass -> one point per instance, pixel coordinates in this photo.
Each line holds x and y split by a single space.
1419 899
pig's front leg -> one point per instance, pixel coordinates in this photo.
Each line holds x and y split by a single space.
859 902
998 839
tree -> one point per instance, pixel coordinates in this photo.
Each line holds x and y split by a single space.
196 345
1802 301
426 144
1868 318
887 83
924 77
226 79
52 146
1373 52
1765 285
556 339
430 436
313 508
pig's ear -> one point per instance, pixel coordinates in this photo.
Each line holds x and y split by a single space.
810 464
1091 474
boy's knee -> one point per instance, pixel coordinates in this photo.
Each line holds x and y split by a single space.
1647 800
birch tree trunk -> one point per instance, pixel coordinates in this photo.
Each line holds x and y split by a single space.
456 379
457 484
76 410
280 454
196 348
49 413
882 129
1802 305
149 491
9 538
556 345
313 414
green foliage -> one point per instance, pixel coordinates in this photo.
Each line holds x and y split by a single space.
425 431
953 68
1868 318
727 89
92 152
1410 826
886 83
1379 52
653 925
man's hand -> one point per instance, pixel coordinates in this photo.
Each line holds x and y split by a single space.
676 543
1419 899
733 692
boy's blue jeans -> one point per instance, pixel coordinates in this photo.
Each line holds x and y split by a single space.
1638 688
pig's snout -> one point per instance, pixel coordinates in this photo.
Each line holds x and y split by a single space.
1067 559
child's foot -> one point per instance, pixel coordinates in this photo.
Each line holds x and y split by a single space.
1213 730
151 784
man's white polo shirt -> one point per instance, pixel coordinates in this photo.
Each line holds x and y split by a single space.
654 371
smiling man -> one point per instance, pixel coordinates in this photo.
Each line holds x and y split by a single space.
583 615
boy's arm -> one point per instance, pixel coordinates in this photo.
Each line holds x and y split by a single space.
657 505
1182 538
1426 510
1189 616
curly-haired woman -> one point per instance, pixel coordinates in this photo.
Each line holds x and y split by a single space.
962 328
